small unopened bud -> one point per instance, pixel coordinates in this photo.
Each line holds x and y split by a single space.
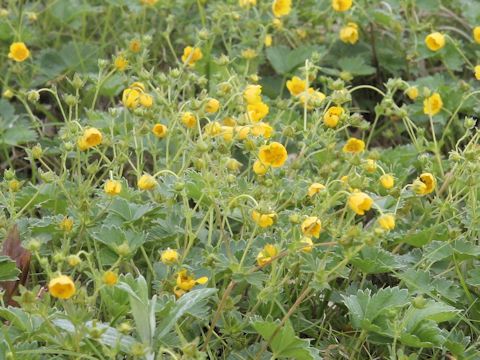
70 100
37 151
123 250
33 96
77 81
469 123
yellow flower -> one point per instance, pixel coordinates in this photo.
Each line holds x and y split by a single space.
281 7
370 166
424 184
120 63
315 188
262 129
233 164
477 72
135 46
277 24
435 41
252 94
268 40
260 168
332 116
189 120
387 181
159 130
267 254
229 121
273 154
19 52
296 86
242 132
354 146
359 202
191 55
149 2
306 244
310 98
433 104
387 222
212 129
169 257
131 98
349 33
146 100
62 287
412 92
186 282
227 133
110 278
341 5
476 34
146 182
66 224
247 3
302 33
263 220
212 106
14 185
74 260
257 111
8 94
249 54
113 187
311 226
91 137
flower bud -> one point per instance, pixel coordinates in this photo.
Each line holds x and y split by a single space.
34 245
123 250
77 82
14 185
469 123
58 257
37 152
33 96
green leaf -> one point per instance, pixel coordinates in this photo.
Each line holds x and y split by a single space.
113 236
465 250
364 308
374 260
109 336
285 345
425 236
285 60
473 278
421 328
426 335
193 301
356 66
8 269
417 280
143 308
128 211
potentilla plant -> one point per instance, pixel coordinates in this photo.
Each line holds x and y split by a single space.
239 180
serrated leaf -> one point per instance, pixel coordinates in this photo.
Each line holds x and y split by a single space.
109 336
374 260
8 269
285 345
285 60
364 307
192 301
356 66
427 235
